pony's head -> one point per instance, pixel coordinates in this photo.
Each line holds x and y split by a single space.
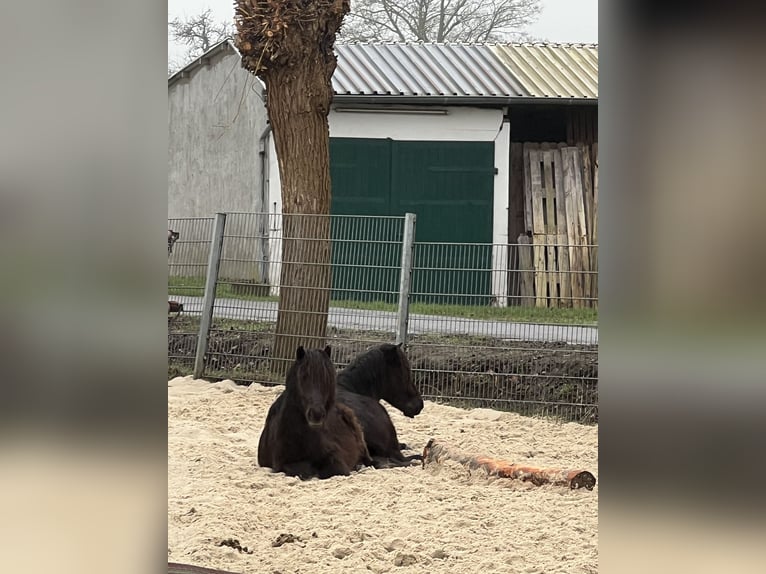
397 387
311 379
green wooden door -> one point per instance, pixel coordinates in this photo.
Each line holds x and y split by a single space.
366 252
448 185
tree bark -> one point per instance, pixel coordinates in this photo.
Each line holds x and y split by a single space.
437 452
298 105
289 45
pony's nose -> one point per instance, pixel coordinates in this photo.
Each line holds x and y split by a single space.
414 407
315 416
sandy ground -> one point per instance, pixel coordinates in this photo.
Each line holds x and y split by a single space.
439 519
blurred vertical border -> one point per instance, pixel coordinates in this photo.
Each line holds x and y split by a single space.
82 215
682 378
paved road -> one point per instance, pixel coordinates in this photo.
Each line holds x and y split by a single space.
364 320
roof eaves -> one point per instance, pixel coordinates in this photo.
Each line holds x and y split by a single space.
184 72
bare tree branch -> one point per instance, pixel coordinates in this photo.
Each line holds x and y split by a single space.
439 20
198 33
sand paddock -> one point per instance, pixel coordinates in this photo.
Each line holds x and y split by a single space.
439 519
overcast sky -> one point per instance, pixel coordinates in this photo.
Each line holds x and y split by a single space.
560 21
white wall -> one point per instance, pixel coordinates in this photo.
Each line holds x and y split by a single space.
215 118
500 215
459 124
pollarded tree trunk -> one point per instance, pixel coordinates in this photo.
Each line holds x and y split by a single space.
301 136
289 45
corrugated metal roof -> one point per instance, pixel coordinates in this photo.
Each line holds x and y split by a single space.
422 70
553 70
471 71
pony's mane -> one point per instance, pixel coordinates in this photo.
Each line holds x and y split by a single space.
316 360
365 369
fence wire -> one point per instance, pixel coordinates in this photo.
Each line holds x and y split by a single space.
475 341
188 254
512 327
365 255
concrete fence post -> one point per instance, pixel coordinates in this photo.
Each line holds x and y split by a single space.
208 301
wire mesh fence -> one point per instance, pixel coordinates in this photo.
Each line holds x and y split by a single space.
475 341
188 253
364 261
485 324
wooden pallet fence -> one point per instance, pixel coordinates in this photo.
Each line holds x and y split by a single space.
561 215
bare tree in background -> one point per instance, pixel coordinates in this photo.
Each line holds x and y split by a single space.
198 33
439 20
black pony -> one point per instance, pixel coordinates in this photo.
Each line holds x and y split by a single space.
383 372
306 432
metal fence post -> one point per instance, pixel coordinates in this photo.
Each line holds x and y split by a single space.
405 278
208 301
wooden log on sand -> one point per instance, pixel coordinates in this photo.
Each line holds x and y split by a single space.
435 452
175 568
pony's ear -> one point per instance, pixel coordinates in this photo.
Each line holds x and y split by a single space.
391 353
300 353
328 351
399 345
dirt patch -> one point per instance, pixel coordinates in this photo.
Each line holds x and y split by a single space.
534 378
234 543
285 538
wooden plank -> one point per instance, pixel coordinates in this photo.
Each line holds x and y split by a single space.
587 193
564 274
587 189
565 283
594 235
541 276
551 235
582 232
538 227
552 274
527 188
575 252
549 192
516 224
436 452
538 217
526 273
